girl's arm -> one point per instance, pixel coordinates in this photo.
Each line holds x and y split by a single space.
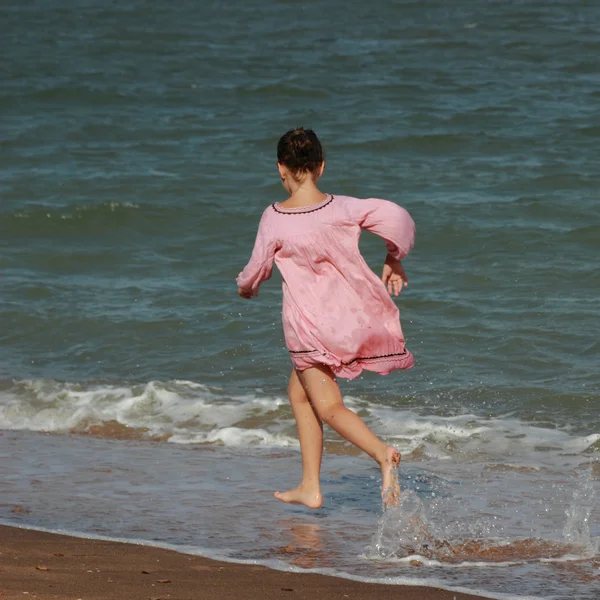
390 222
260 266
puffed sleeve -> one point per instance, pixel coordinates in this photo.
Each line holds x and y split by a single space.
260 265
389 221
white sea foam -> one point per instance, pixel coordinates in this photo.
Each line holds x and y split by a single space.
190 412
236 436
431 562
438 435
185 412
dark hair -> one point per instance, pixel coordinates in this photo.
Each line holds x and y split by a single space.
300 151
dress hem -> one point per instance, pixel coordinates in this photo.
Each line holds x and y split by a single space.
383 365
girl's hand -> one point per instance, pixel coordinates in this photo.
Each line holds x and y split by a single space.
244 293
393 275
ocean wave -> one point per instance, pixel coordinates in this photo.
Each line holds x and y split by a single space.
40 220
74 211
104 218
179 411
187 412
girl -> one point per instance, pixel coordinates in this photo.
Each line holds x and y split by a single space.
338 318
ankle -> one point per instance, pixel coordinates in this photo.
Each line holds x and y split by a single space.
310 486
381 456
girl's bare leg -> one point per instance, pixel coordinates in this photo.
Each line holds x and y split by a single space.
310 434
325 396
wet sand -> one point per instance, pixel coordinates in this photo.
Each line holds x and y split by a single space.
48 566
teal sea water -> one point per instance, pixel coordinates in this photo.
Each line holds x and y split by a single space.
137 144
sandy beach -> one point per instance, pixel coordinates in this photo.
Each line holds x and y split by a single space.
48 566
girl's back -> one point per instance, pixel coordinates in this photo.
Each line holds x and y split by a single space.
335 309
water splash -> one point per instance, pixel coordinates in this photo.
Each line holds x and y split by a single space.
577 527
402 530
405 532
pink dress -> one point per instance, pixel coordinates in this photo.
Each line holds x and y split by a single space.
336 311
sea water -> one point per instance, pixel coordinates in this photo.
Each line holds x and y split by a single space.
142 399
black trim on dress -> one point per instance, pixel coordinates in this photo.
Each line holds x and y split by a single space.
302 212
356 359
376 357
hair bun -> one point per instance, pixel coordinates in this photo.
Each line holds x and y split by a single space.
300 151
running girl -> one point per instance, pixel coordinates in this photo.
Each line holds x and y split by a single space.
338 317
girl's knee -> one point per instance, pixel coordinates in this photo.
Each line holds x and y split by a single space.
328 413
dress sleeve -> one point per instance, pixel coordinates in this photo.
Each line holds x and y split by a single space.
260 265
390 222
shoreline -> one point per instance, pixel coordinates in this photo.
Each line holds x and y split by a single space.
52 566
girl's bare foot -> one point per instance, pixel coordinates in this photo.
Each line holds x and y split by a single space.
390 488
309 497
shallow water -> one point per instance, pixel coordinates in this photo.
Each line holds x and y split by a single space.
478 493
137 154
